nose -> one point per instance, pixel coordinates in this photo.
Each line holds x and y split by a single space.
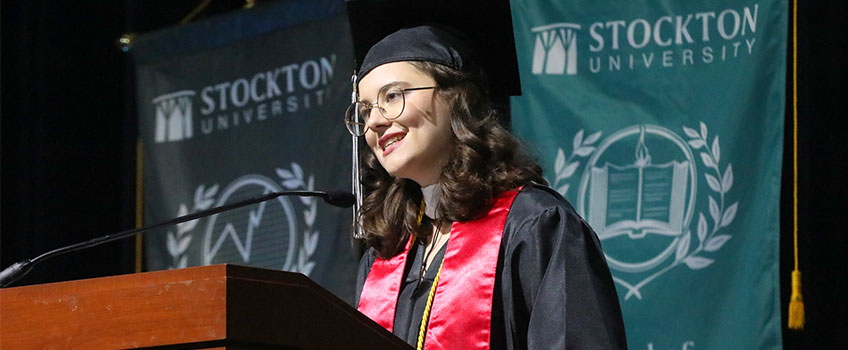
376 121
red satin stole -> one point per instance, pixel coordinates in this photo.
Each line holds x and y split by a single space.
461 315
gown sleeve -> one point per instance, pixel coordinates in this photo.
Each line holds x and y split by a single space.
556 289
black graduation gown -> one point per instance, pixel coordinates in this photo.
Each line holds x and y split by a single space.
553 289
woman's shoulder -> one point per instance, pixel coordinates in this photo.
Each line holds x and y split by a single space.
540 211
537 197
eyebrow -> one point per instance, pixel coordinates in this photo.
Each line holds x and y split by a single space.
394 82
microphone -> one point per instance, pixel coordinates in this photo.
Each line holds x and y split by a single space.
12 273
339 198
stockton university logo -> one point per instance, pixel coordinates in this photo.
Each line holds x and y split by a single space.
268 234
555 49
620 44
639 190
173 116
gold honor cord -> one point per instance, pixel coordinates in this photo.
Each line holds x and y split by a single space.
139 201
796 303
426 318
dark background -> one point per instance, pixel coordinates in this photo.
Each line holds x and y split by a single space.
69 129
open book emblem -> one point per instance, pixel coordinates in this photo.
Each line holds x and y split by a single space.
638 190
639 199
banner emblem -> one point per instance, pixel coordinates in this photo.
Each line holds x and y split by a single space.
555 50
639 192
173 116
238 228
270 226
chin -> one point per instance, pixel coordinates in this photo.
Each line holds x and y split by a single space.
393 169
400 165
395 163
400 172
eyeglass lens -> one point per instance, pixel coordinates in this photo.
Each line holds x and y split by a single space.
390 104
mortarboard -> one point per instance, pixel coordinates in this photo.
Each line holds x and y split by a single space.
486 26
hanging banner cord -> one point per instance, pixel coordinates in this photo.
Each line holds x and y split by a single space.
796 303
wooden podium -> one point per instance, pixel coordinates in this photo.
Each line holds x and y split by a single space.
219 306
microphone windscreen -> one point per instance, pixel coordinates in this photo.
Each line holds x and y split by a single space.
340 198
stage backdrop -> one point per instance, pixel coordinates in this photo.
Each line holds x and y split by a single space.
662 124
237 106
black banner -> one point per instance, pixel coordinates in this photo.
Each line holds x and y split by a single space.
237 106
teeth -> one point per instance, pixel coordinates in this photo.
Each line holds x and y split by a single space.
392 140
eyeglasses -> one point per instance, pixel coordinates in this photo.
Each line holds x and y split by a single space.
391 101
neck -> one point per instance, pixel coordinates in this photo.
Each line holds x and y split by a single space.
432 196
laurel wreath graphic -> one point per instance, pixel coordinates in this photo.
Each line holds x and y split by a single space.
566 167
178 243
204 198
294 180
708 238
722 216
707 232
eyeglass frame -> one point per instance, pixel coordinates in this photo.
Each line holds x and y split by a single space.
382 110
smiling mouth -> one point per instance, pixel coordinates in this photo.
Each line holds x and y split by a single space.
392 141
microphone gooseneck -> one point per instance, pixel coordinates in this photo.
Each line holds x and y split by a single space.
17 270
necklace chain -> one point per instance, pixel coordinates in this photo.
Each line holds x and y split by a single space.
429 250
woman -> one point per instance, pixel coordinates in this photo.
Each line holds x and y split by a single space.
467 248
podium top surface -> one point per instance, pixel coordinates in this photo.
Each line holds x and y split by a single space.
225 306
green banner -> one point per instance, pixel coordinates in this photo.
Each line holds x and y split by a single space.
662 123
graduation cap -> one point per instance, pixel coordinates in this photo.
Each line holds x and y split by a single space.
478 32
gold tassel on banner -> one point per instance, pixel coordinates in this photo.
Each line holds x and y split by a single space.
796 303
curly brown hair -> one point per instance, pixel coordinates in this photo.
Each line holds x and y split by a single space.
487 161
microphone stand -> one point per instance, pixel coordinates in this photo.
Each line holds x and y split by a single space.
21 268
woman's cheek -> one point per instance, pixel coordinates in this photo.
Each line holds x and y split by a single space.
372 147
370 139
